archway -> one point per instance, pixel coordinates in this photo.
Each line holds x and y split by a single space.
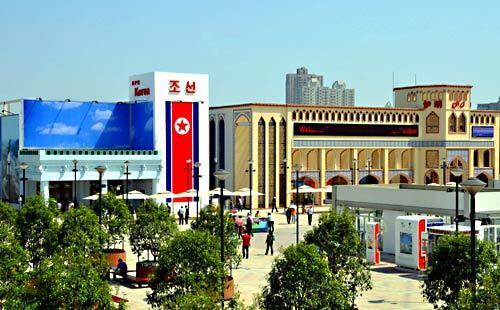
400 178
337 180
457 162
369 179
431 176
484 177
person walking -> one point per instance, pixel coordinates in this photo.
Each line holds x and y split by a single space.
273 205
240 204
249 223
288 214
269 242
186 215
310 215
270 222
293 213
245 244
180 213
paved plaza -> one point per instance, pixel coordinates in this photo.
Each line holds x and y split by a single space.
392 289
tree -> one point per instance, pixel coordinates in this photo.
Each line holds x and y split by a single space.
189 264
152 227
487 294
8 214
209 221
449 269
301 279
337 237
116 218
38 229
80 229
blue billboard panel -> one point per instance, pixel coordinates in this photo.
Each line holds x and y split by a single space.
80 125
482 131
142 137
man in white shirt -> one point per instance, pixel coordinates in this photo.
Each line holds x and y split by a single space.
270 222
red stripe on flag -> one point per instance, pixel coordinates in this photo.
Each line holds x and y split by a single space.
182 146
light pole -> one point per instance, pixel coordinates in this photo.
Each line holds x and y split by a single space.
285 168
457 172
8 175
221 175
74 183
100 170
473 185
126 163
23 167
197 178
444 165
189 177
297 168
353 176
369 165
250 171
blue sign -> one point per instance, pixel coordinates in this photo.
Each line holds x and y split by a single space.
482 131
88 125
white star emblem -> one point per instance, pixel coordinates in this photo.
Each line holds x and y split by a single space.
182 126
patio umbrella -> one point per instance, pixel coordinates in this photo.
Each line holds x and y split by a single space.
244 192
162 195
134 195
216 191
305 189
92 197
190 193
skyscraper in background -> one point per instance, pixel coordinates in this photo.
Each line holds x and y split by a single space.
305 88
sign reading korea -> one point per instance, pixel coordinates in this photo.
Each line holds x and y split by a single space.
355 130
482 131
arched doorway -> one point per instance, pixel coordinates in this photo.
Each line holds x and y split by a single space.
456 162
483 177
306 198
431 176
400 178
369 179
337 180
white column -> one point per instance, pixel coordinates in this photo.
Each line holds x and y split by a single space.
44 189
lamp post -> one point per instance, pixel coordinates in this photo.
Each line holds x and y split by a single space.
444 165
23 167
189 177
126 163
457 172
353 175
369 165
100 170
297 168
74 182
285 168
250 171
197 178
221 175
472 186
8 175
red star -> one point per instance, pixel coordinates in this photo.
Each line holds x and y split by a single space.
182 125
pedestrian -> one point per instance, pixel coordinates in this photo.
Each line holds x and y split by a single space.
240 204
249 223
270 222
239 225
257 215
180 213
310 215
288 214
186 215
269 242
245 243
273 205
293 212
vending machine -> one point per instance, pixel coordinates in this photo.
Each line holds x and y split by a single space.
372 243
412 238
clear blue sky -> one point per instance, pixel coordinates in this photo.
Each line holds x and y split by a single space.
87 49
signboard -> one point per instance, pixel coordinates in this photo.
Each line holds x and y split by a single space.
482 131
355 130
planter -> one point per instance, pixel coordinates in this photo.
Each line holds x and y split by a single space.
145 269
112 255
229 288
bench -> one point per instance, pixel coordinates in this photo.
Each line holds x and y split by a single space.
131 279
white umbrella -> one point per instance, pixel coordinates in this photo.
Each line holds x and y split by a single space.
305 189
134 195
92 197
244 192
162 195
187 194
216 191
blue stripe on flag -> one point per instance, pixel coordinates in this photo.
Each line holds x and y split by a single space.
196 141
168 146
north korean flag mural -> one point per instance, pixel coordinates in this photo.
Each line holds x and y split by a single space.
182 134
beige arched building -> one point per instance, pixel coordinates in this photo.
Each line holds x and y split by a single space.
430 124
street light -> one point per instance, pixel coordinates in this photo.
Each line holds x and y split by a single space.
457 172
74 183
100 170
126 163
353 175
444 165
23 167
250 171
8 175
369 164
221 175
297 168
473 185
197 178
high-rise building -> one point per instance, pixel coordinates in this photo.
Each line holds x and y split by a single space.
489 106
305 88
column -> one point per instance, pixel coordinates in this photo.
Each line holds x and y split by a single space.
44 189
322 173
386 166
418 165
470 164
355 171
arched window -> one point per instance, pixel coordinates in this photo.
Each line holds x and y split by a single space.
261 160
482 119
399 118
375 117
462 123
351 116
363 117
345 116
307 116
394 118
432 123
450 96
370 117
416 119
357 117
320 116
476 158
408 97
301 115
294 115
212 152
414 97
222 144
425 96
452 123
313 115
405 118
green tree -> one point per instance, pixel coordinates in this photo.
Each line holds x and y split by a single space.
337 237
80 229
152 227
209 221
189 264
8 214
116 218
487 294
301 279
38 229
449 271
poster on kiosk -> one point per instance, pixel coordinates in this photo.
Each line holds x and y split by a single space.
372 243
412 240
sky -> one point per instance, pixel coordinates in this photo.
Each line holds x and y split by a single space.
85 50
